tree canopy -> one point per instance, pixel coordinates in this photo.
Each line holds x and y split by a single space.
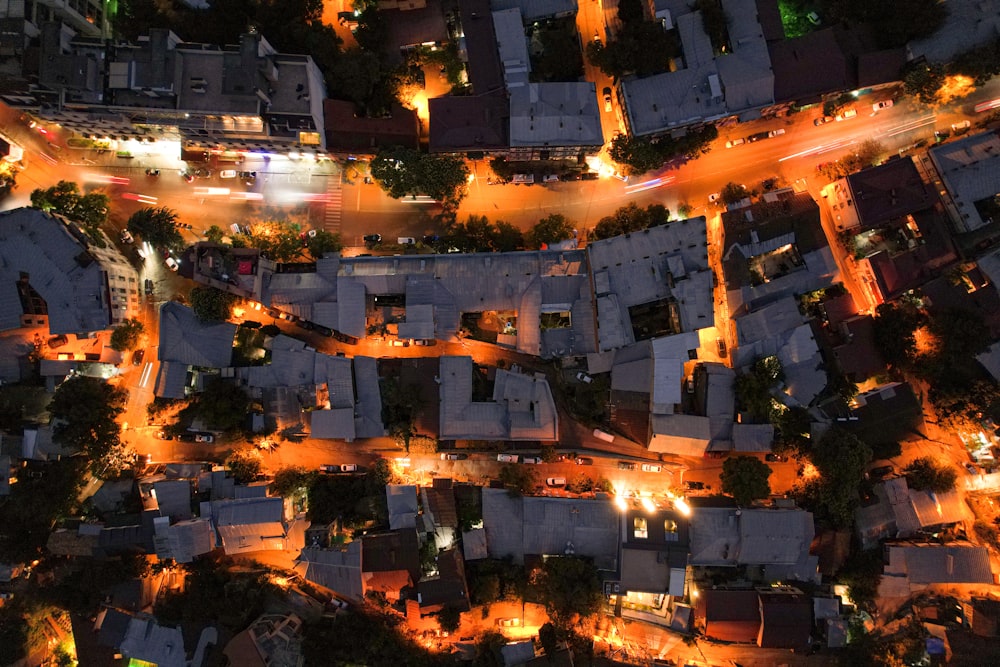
276 239
631 218
550 229
570 588
64 198
640 154
478 234
323 242
126 335
894 329
157 226
87 409
518 479
641 47
753 388
211 304
840 459
34 505
745 478
245 465
926 474
404 172
222 405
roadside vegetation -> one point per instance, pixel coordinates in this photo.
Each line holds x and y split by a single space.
640 154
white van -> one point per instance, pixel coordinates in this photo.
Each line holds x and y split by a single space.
601 435
556 481
406 240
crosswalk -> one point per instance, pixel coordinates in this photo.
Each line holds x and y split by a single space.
334 203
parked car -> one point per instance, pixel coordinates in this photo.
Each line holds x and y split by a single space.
813 18
171 263
607 99
823 120
349 467
406 240
329 468
204 437
771 456
961 128
550 178
884 104
845 114
776 133
584 461
373 239
186 437
720 344
626 465
589 176
163 435
651 467
694 486
149 287
431 238
878 472
152 172
583 377
507 458
735 142
227 173
531 459
58 341
137 357
556 481
509 622
757 136
571 176
453 456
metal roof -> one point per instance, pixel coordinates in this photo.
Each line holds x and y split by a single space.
186 339
336 569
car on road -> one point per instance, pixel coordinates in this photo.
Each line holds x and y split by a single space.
626 465
186 437
607 99
776 133
127 236
137 357
406 240
884 104
556 481
720 346
757 136
694 486
584 461
534 460
507 458
961 128
735 142
227 173
453 456
878 472
845 114
651 467
58 341
589 176
171 263
149 287
373 239
823 120
204 437
583 377
771 456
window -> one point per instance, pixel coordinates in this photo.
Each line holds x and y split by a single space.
670 530
639 528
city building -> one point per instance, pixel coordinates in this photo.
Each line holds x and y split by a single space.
248 525
59 276
901 512
912 567
188 98
187 347
969 169
272 640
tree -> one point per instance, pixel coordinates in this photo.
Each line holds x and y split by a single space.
404 172
276 239
245 464
126 335
559 59
157 226
507 237
323 242
732 193
211 304
449 618
214 234
894 327
640 154
550 229
793 426
400 407
862 572
629 219
222 405
86 409
64 198
292 482
745 478
8 179
488 648
753 388
518 479
840 459
925 474
570 588
548 637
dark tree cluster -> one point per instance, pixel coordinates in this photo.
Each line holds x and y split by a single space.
65 198
641 47
631 218
404 172
640 154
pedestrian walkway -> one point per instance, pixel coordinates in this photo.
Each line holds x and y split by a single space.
334 203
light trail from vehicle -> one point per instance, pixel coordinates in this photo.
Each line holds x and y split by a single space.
909 126
648 185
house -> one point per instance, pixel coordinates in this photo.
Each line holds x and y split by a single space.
272 101
704 88
910 568
730 615
773 248
346 132
652 283
187 343
337 569
446 587
901 512
272 640
522 407
652 560
182 541
969 169
541 526
968 24
440 511
777 538
58 276
785 619
143 640
390 562
858 356
403 508
248 525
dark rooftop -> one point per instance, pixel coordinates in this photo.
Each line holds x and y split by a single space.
889 192
786 620
346 131
807 67
485 70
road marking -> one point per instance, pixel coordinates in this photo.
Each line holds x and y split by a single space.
334 204
48 158
147 371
